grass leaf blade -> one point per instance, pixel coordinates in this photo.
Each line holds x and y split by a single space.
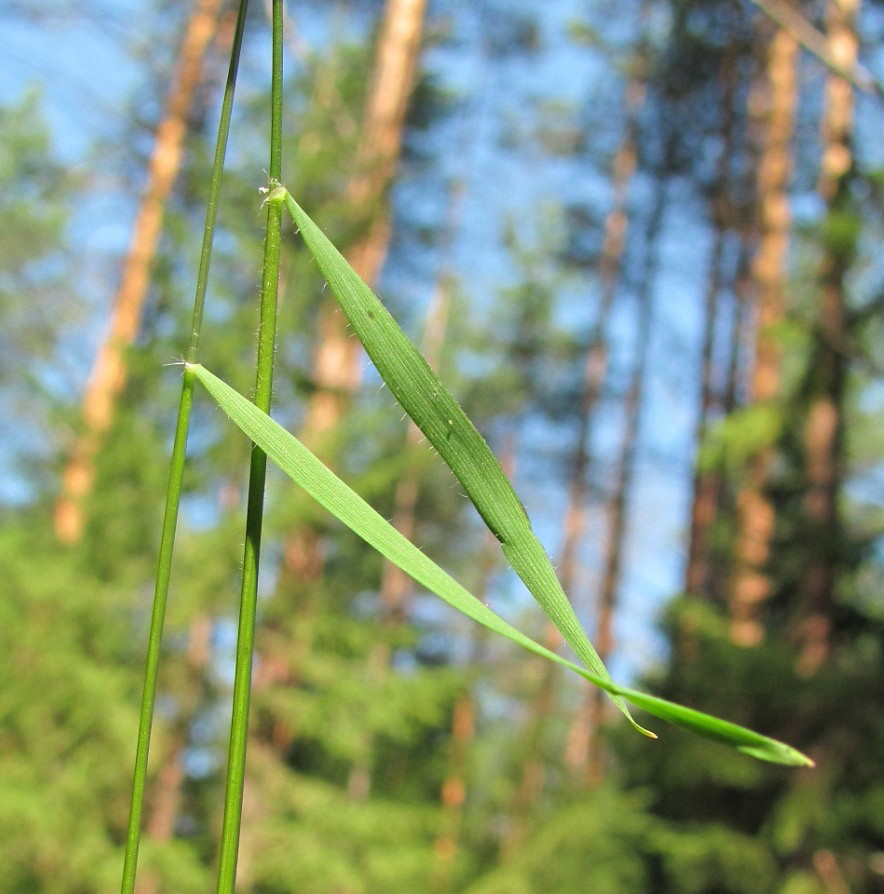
438 415
739 737
306 470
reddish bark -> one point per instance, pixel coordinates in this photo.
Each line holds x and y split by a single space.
109 371
755 513
823 432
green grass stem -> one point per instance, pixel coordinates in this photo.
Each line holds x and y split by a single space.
245 644
176 475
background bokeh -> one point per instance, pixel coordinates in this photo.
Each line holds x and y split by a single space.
639 241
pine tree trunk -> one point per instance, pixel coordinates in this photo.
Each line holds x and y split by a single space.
596 364
707 483
578 742
463 733
454 789
336 365
109 371
594 374
616 513
396 586
823 433
755 513
720 564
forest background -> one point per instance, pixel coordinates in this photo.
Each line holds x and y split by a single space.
638 240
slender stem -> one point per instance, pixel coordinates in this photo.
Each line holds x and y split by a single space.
215 185
263 391
176 474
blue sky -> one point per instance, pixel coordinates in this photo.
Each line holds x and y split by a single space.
82 67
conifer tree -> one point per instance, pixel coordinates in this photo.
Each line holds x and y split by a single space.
109 373
824 425
755 514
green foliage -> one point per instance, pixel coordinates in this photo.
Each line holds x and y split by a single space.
314 837
715 815
739 436
840 234
66 717
594 844
696 858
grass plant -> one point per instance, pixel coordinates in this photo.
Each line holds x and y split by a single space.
445 425
176 473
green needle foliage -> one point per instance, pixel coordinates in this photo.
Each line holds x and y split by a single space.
306 470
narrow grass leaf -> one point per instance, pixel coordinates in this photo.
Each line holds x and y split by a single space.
739 737
438 415
306 470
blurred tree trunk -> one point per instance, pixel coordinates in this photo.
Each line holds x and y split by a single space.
824 426
614 245
589 721
594 374
397 587
109 371
463 734
454 787
707 482
336 366
596 362
755 513
720 562
336 363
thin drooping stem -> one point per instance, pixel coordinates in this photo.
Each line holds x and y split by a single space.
255 504
176 474
790 19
